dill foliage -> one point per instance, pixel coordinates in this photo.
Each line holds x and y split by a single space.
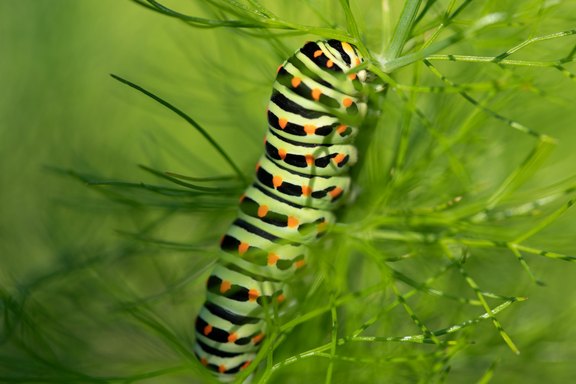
461 209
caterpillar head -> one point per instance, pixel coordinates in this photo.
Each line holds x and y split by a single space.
348 57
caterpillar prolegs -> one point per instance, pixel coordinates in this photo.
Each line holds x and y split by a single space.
317 104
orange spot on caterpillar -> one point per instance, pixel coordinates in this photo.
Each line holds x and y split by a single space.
321 227
257 165
273 258
243 196
281 298
243 247
258 338
262 210
347 102
276 181
352 76
296 81
225 286
347 47
282 123
335 192
339 158
357 61
221 369
309 159
316 93
306 190
341 129
318 53
253 294
310 129
207 330
204 361
232 337
282 153
329 63
300 263
292 222
245 365
279 68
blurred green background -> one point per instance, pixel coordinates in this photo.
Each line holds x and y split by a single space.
60 108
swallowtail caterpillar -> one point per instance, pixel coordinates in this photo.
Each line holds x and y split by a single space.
318 102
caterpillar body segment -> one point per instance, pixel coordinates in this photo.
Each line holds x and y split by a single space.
317 104
321 160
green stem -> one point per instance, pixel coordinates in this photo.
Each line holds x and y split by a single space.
492 59
350 21
392 63
403 28
189 120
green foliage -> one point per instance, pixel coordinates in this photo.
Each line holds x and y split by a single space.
462 208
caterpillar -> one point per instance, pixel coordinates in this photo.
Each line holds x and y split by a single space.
316 107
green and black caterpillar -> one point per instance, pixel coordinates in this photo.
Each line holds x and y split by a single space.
317 104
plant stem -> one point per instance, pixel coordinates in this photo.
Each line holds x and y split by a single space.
403 28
